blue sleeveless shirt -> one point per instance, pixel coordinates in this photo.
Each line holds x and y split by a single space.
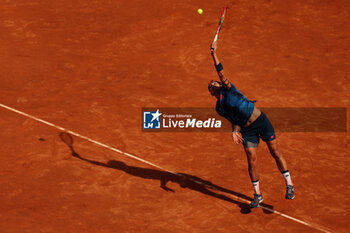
234 106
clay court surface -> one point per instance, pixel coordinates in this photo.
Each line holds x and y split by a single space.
90 66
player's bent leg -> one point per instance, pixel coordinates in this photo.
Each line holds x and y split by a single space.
268 135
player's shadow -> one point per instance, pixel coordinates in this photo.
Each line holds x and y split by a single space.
184 180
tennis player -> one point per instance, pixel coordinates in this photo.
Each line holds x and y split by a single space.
248 125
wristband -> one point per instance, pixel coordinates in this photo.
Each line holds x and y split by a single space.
219 67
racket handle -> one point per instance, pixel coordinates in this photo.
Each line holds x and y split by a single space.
216 37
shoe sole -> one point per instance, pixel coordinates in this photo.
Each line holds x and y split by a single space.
290 198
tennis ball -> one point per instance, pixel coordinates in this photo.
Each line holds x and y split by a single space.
200 11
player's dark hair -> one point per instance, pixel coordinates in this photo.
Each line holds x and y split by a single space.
211 84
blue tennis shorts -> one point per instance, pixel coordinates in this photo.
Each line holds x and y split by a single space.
260 128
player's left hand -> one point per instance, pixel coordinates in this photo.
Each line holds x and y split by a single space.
237 138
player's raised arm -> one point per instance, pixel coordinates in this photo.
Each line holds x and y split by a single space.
225 82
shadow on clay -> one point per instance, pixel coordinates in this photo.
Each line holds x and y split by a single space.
184 180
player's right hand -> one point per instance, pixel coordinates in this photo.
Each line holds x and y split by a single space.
213 46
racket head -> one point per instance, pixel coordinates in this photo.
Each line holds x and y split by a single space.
221 21
222 18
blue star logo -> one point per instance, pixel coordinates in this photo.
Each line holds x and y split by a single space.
151 120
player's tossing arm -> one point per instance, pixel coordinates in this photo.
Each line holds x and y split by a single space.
225 82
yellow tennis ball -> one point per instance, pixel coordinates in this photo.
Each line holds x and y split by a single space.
200 11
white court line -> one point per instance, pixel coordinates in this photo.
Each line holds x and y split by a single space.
322 229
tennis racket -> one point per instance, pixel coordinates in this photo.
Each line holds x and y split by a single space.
220 24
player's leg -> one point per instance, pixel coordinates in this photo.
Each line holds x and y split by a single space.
250 143
252 159
250 137
253 171
268 135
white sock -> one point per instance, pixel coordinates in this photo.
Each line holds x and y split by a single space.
256 187
287 177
